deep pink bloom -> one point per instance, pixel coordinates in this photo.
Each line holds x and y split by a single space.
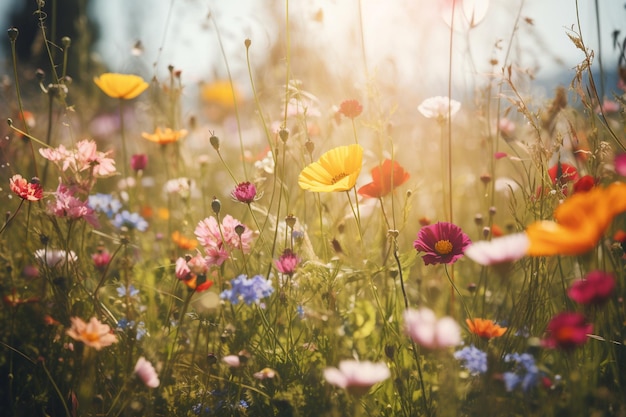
567 330
595 288
620 164
139 161
31 191
442 243
101 259
350 108
288 262
245 192
500 155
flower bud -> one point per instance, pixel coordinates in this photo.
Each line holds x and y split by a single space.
215 142
66 41
247 42
216 206
13 32
283 134
138 162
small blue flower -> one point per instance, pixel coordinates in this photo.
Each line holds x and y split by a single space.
132 291
300 311
525 372
474 359
130 220
249 290
104 203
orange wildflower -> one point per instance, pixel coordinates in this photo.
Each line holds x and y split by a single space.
486 329
184 242
385 178
163 137
579 222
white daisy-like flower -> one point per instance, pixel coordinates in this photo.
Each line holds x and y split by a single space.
508 248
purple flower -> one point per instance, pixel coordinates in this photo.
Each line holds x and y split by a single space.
595 288
620 164
245 192
442 243
130 220
288 262
249 290
474 359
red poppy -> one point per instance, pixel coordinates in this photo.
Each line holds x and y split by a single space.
385 178
567 330
585 183
563 173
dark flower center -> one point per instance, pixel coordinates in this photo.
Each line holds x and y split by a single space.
338 178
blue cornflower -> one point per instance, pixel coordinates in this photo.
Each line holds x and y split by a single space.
525 372
104 203
141 330
474 359
301 312
249 290
124 323
130 220
122 291
197 409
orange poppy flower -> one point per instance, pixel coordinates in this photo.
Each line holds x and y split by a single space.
579 222
184 242
163 137
486 329
385 178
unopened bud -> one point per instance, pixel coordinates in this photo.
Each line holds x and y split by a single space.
66 41
216 205
215 142
284 134
290 220
310 147
247 42
478 219
13 32
239 229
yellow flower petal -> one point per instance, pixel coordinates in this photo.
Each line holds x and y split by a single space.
163 137
580 222
336 170
124 86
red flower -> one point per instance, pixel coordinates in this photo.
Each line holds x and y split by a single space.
385 178
563 173
31 191
595 288
567 330
442 242
585 183
350 108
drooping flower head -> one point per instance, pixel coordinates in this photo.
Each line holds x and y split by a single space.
439 108
26 190
93 334
164 136
430 332
595 288
567 331
244 192
442 243
355 376
486 329
336 170
123 86
580 222
385 177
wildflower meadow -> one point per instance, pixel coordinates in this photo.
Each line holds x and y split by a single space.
297 236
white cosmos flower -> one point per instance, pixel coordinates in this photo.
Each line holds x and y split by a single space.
439 107
430 332
502 249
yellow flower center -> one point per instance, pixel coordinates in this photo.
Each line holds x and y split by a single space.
338 178
443 247
91 336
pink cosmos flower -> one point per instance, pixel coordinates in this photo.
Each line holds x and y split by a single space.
193 272
357 377
219 240
442 243
503 249
287 263
84 157
426 330
67 205
567 331
245 192
30 191
93 334
146 372
595 288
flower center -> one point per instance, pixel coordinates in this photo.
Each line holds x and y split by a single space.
338 178
443 247
91 336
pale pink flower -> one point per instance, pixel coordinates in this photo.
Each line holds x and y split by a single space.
145 371
219 240
67 205
357 376
84 157
508 248
426 330
26 190
93 334
232 360
439 108
265 373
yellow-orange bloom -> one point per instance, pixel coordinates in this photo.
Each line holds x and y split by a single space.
163 137
579 222
336 170
221 93
124 86
184 242
486 329
94 333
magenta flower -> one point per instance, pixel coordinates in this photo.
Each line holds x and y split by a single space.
139 161
442 243
101 259
595 288
245 192
288 262
567 330
620 164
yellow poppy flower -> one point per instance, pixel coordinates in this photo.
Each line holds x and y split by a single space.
124 86
579 222
220 93
336 170
163 137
